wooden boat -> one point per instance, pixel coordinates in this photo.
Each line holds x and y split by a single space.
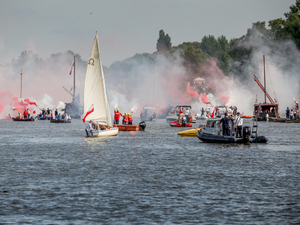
24 120
191 132
59 121
127 127
176 124
96 105
263 111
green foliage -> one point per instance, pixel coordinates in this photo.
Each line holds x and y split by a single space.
163 42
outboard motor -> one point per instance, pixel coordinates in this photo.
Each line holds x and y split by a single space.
246 133
142 126
184 121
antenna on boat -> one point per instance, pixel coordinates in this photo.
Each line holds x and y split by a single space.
74 81
265 79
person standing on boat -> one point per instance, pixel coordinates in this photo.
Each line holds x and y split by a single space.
124 121
117 116
287 112
180 117
90 128
187 114
43 112
25 114
130 118
238 122
56 114
225 122
28 113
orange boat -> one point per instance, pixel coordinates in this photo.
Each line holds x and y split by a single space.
141 127
246 117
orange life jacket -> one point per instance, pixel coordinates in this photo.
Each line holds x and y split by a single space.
117 115
130 118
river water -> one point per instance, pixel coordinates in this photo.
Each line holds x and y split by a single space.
53 174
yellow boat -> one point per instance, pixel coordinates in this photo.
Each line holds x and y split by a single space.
191 132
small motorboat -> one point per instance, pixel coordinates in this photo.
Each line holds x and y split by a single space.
176 124
213 133
140 127
190 133
173 115
60 121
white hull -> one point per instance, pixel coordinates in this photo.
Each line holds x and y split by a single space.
169 119
198 117
103 133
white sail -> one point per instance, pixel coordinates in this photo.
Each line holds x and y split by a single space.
94 89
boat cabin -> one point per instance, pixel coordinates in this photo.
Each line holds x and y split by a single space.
264 110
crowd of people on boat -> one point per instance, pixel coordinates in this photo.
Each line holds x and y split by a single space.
95 126
48 113
292 114
184 116
127 117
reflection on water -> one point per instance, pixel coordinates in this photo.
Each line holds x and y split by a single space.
53 174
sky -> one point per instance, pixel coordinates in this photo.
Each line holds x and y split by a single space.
125 27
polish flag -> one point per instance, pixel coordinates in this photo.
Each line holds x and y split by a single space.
91 109
21 72
72 67
212 112
296 102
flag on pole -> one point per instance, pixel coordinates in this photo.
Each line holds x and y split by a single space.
21 72
91 109
72 67
213 111
296 102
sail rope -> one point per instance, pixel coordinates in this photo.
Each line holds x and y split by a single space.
276 101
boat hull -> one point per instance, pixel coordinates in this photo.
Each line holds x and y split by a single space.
23 120
211 138
127 127
190 133
60 121
103 133
176 124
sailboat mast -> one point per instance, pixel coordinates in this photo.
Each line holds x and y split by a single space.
21 83
265 78
74 81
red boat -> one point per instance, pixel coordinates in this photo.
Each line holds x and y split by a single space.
176 124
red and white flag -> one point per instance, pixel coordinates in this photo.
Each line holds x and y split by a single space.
213 111
91 109
21 72
72 67
296 102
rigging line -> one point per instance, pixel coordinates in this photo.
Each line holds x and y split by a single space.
271 82
257 88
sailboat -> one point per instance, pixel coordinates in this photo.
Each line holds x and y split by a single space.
73 108
95 95
22 105
262 111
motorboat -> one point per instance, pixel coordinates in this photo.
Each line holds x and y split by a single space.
127 127
191 132
175 123
173 115
213 133
148 113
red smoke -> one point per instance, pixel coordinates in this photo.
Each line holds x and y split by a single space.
204 98
224 99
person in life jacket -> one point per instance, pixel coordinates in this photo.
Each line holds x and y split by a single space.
25 114
130 118
28 113
117 116
124 121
